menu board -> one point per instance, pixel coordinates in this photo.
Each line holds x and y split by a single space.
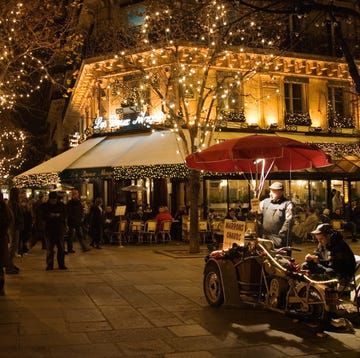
234 232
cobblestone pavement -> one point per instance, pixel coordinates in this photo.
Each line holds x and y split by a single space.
143 301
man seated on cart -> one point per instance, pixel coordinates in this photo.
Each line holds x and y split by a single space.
333 256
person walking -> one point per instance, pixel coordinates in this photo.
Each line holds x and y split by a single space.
96 224
5 219
15 227
38 223
54 216
277 215
75 215
25 233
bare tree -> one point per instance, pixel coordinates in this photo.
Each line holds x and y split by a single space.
185 54
37 42
36 37
178 54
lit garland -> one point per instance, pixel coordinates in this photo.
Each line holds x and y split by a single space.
156 171
335 120
12 144
233 116
297 119
339 150
159 171
37 180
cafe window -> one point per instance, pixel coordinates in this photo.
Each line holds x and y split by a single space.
224 194
339 111
230 100
296 96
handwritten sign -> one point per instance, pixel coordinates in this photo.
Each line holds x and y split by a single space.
234 232
255 205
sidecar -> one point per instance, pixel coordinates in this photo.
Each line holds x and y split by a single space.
256 273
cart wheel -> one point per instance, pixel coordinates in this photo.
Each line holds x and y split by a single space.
316 303
212 286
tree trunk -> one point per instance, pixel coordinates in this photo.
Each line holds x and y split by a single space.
194 237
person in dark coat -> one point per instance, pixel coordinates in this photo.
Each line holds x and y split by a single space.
333 256
96 224
54 216
25 233
15 227
75 215
5 218
38 223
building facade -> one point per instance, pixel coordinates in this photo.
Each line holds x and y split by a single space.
302 88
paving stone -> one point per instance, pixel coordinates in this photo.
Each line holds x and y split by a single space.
189 330
135 302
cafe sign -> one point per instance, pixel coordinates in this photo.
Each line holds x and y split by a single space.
127 122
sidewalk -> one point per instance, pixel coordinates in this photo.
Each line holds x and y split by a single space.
143 301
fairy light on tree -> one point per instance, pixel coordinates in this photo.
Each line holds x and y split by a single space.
35 36
193 56
12 145
180 56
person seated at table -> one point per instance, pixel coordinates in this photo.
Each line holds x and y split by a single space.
302 229
148 213
231 215
176 227
333 256
346 225
325 216
162 215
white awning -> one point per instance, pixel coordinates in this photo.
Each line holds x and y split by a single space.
151 148
132 150
62 161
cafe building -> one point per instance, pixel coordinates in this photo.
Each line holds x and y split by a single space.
123 137
118 145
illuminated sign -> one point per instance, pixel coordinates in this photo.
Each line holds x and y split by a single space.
129 122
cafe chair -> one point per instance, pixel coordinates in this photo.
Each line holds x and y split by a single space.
119 236
165 230
204 230
336 225
135 228
149 232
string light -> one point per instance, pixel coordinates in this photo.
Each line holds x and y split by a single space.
12 145
152 171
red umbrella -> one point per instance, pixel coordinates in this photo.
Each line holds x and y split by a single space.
258 154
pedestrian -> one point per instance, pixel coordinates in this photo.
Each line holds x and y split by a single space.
96 224
75 216
5 218
277 216
109 225
25 233
337 201
38 223
54 216
15 227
